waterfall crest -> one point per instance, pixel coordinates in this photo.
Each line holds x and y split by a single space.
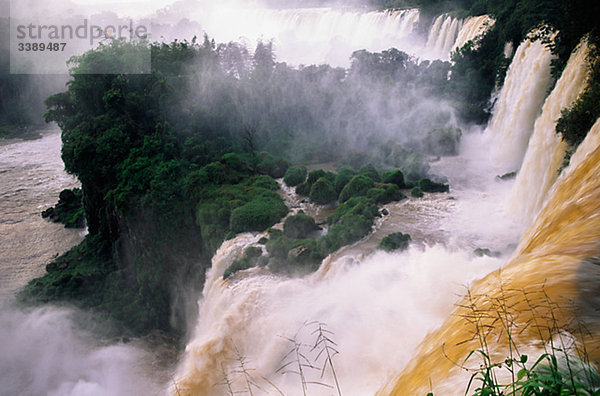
546 149
447 34
442 36
473 27
519 104
312 35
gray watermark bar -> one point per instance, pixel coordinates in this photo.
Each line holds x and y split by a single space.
44 44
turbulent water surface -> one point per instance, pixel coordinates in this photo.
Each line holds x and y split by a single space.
31 177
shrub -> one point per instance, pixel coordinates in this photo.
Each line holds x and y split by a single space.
257 215
416 192
315 175
385 193
250 259
429 186
295 175
344 175
370 172
356 206
357 186
350 228
299 226
237 265
303 188
394 177
323 192
272 166
395 241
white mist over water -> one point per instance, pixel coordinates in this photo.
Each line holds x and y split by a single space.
44 354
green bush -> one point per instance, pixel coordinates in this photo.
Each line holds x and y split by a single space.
250 259
295 175
68 210
357 186
303 188
394 177
385 193
429 186
344 175
416 192
323 192
299 226
370 172
237 265
395 241
349 229
355 206
272 165
315 175
257 215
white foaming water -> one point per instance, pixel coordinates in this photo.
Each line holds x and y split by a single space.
368 301
442 36
448 34
519 104
367 306
546 149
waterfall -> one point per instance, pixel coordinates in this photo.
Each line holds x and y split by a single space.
447 34
473 27
546 149
442 36
519 104
311 35
547 290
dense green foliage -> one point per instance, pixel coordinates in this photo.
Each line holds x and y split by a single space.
323 192
299 226
385 193
295 175
159 191
357 186
252 257
394 177
416 192
258 214
68 210
395 241
427 185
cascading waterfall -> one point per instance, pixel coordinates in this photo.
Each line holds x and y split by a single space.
256 319
312 35
304 36
546 149
547 289
259 330
442 36
519 104
472 28
447 34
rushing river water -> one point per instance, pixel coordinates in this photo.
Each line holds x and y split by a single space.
31 177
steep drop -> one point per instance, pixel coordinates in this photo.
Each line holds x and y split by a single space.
546 149
519 104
